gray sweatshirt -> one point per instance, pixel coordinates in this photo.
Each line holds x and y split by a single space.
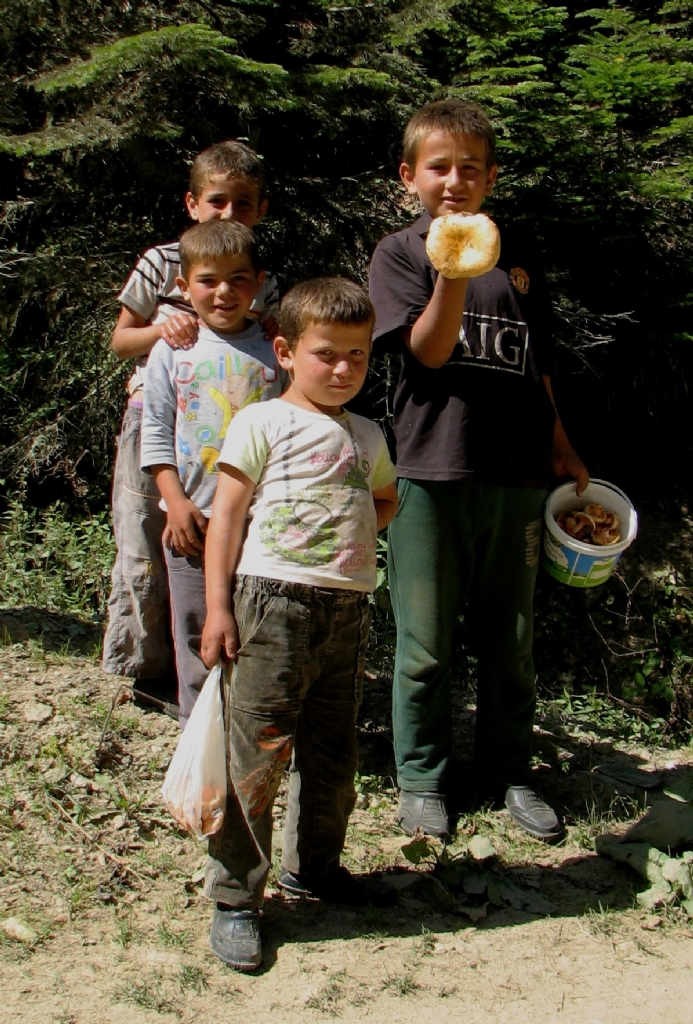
191 396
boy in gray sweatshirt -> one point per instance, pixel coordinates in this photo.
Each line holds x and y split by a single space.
190 398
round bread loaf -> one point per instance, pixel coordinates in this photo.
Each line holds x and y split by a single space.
463 244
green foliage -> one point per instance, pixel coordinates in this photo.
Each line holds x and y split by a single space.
96 154
592 110
51 562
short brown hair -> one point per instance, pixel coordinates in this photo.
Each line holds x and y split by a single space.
233 159
323 300
215 239
455 117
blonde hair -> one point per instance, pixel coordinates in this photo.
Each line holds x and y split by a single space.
455 117
323 300
213 240
232 159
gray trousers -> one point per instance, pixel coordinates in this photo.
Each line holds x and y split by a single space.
137 641
292 698
186 579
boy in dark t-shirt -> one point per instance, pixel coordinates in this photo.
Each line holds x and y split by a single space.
477 437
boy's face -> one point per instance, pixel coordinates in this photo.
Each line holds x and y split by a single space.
222 291
450 174
222 198
328 365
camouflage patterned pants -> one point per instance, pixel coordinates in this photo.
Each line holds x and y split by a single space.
291 701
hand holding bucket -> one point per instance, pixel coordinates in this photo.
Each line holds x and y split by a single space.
575 562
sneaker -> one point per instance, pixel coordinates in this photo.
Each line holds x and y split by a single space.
235 937
531 813
339 887
427 812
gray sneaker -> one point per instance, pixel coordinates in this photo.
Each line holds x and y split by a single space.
425 811
235 937
531 813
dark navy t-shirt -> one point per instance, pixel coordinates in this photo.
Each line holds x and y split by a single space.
484 415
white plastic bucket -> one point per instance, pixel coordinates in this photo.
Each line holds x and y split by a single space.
572 561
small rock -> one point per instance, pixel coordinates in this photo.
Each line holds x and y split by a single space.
37 713
18 930
53 776
442 947
651 924
481 847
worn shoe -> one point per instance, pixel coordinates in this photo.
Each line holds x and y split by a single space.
340 887
532 813
425 811
235 937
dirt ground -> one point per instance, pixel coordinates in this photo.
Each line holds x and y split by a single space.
110 890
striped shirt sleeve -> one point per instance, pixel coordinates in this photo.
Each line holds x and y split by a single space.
152 280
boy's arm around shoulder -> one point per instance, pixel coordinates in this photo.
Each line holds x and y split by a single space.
133 336
428 322
224 543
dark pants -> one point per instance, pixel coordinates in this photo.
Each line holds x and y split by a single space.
292 698
456 546
186 580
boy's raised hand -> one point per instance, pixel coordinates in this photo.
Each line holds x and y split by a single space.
180 330
219 638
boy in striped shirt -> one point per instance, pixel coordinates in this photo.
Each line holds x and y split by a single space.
226 183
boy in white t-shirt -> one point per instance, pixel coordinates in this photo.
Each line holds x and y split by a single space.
304 486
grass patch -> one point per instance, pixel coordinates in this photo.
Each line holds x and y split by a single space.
171 939
193 978
327 998
127 933
148 995
403 984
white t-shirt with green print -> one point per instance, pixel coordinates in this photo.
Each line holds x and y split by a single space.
312 518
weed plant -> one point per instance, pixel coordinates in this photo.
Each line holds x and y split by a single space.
51 561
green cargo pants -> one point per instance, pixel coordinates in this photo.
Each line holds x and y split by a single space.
463 547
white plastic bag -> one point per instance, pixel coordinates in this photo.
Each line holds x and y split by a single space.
194 789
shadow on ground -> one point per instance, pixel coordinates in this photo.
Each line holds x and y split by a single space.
579 885
582 776
54 632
